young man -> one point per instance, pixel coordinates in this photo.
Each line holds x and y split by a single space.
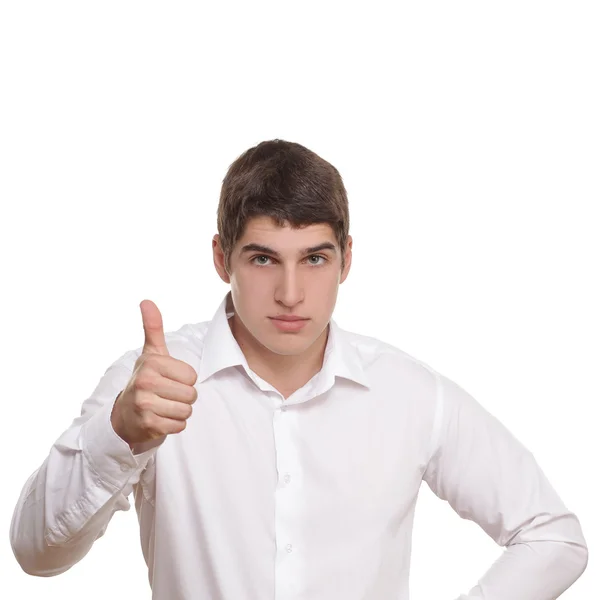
274 455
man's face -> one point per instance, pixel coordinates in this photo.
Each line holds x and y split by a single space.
287 279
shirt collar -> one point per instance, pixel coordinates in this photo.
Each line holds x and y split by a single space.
221 350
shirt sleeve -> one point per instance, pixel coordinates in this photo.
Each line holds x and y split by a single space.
67 503
488 477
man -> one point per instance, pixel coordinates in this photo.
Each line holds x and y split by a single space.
271 453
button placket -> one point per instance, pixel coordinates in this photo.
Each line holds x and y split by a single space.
287 503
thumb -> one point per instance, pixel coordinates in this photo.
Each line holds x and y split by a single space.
154 341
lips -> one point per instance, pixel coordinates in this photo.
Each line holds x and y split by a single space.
288 323
288 318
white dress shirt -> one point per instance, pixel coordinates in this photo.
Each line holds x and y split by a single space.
307 498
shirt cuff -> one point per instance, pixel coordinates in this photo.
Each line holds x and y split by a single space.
110 455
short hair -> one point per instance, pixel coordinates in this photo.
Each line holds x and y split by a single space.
287 182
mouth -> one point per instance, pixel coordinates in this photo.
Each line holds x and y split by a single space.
289 318
289 323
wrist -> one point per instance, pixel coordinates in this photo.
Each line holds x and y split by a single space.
116 420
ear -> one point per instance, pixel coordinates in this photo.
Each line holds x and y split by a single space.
219 259
348 258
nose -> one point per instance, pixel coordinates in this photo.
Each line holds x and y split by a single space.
289 290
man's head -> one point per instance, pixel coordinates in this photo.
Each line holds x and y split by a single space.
283 242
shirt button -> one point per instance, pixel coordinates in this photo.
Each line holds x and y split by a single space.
288 548
287 478
283 408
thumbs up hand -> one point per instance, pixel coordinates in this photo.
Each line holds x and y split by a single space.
157 400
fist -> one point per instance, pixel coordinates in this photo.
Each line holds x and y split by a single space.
157 400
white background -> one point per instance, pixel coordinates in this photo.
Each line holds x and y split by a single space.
467 134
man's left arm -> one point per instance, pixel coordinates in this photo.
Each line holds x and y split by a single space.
489 477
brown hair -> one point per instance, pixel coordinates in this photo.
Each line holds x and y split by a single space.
287 182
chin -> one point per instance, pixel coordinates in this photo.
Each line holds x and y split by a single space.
296 351
286 343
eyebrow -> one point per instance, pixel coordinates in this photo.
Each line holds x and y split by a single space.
267 250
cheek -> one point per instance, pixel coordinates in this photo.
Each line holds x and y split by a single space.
327 281
248 279
253 293
256 284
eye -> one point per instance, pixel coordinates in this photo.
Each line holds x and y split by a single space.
259 256
315 263
318 256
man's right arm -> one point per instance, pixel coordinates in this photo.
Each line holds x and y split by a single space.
67 503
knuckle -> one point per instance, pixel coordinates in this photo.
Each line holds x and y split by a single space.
180 411
147 422
141 381
180 426
193 395
160 428
150 363
142 402
146 380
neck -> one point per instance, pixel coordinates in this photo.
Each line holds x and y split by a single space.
285 373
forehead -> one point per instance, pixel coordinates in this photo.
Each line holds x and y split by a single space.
264 229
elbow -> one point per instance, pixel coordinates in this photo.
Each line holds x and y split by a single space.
34 560
579 558
562 547
31 568
573 551
35 563
38 566
565 559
